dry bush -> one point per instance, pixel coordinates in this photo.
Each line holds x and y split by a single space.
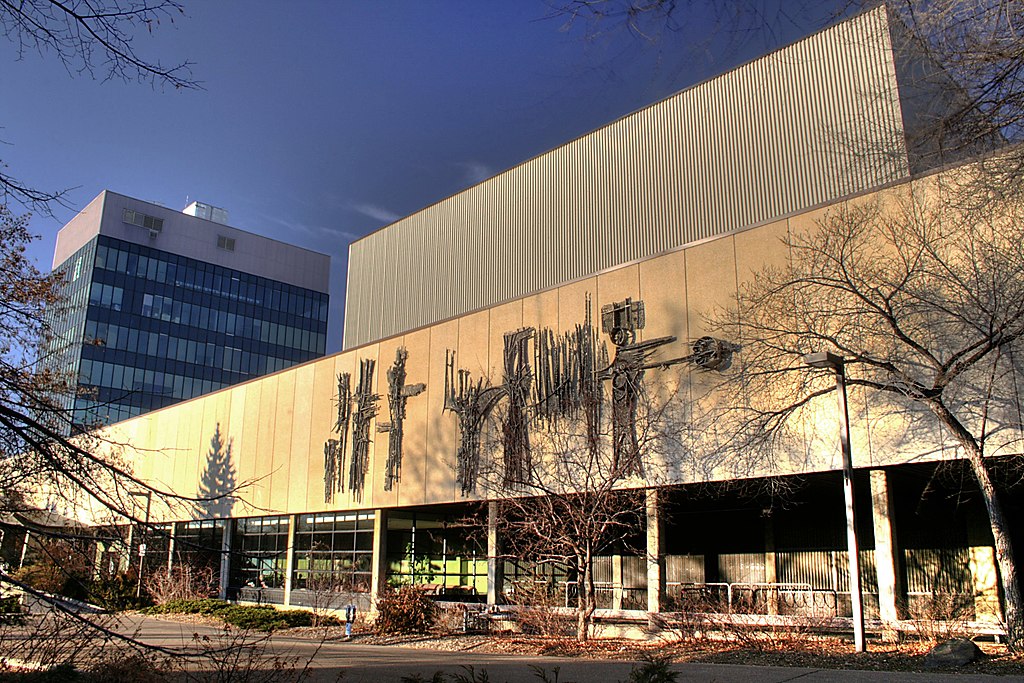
450 619
406 609
327 594
708 620
540 610
942 616
182 582
58 566
237 656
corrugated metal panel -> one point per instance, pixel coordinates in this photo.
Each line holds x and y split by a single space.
800 127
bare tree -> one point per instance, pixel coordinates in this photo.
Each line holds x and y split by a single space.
569 512
95 38
926 304
41 466
578 499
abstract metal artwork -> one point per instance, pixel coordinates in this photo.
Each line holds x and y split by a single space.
620 321
398 393
472 403
334 449
569 381
365 411
515 429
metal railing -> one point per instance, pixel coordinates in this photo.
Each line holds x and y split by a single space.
752 598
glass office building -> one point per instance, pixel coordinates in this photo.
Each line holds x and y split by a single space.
142 327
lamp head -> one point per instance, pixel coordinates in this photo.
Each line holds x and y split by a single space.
823 359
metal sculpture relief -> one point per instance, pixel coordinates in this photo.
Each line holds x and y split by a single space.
472 403
515 429
569 376
569 384
398 393
334 449
620 321
365 411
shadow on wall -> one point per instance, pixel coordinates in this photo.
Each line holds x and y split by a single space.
218 483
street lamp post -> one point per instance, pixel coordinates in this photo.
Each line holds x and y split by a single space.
148 495
824 359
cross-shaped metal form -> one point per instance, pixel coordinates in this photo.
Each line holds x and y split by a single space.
398 393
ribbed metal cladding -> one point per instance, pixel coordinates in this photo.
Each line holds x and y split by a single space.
802 126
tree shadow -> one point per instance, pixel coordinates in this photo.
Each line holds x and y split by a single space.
218 483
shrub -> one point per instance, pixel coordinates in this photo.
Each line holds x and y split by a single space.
405 610
58 567
266 618
10 610
117 592
654 669
183 582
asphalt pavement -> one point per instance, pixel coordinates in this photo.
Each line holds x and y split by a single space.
357 663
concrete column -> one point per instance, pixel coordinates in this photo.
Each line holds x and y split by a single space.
771 572
495 565
289 562
886 550
124 561
655 555
986 584
172 539
379 574
616 581
225 559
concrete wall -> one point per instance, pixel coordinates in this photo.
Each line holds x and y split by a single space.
276 426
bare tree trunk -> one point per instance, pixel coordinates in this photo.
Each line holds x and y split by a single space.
586 602
1005 559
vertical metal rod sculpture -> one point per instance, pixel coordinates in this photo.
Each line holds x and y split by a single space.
569 379
472 403
398 394
515 426
365 411
334 449
570 373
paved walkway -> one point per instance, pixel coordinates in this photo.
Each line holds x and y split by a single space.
387 664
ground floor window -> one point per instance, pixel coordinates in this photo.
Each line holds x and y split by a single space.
333 552
259 552
444 553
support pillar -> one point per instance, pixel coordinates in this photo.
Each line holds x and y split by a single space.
225 559
172 540
289 562
771 572
617 588
495 565
124 560
655 556
379 575
886 552
24 548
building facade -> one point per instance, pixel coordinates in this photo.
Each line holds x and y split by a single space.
370 466
163 306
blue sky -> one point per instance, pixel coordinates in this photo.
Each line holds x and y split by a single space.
319 122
